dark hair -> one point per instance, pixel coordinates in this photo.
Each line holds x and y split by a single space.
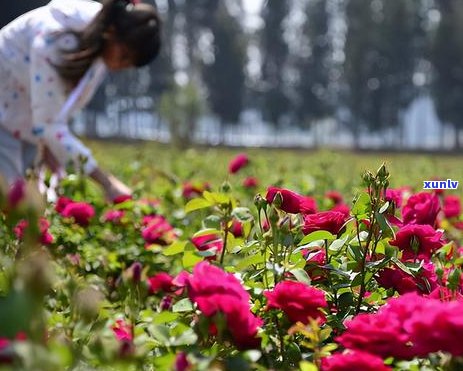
136 25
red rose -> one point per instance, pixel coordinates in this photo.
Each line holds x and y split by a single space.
292 202
81 212
236 228
122 331
452 206
331 221
238 163
421 208
113 216
191 190
215 291
208 242
161 282
250 182
382 333
437 326
298 300
45 237
334 196
423 283
396 195
181 362
354 360
417 241
342 208
158 230
16 193
62 203
121 198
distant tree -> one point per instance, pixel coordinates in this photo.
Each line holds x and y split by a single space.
275 51
380 62
313 90
224 75
181 107
447 59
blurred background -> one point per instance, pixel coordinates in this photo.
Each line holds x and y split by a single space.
361 74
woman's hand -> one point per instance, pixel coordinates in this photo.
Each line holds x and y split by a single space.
50 160
112 186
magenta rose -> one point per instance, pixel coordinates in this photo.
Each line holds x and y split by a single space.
421 208
16 193
113 216
331 221
383 333
122 331
61 203
334 196
215 291
423 283
452 206
158 231
191 190
81 212
292 202
417 241
208 242
45 237
298 300
396 195
250 182
161 282
238 163
354 360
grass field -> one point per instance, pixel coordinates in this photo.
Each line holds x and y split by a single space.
309 171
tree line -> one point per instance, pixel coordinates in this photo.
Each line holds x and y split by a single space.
361 62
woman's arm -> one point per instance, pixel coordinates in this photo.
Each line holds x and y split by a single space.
112 186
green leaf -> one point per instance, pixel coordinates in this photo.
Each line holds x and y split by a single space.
250 260
307 366
384 207
183 305
243 214
401 266
187 337
337 245
190 259
216 198
362 206
301 275
176 248
316 236
197 204
165 317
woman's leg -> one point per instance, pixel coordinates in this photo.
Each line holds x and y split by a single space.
15 156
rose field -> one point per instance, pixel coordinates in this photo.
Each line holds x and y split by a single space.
235 260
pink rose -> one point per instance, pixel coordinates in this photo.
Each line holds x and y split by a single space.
122 198
334 196
417 241
122 331
215 291
208 242
292 202
423 283
113 216
45 237
421 208
161 282
158 231
250 182
452 206
81 212
238 163
16 193
191 190
61 203
331 221
298 300
353 360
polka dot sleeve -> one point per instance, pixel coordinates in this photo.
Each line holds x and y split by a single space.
49 94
